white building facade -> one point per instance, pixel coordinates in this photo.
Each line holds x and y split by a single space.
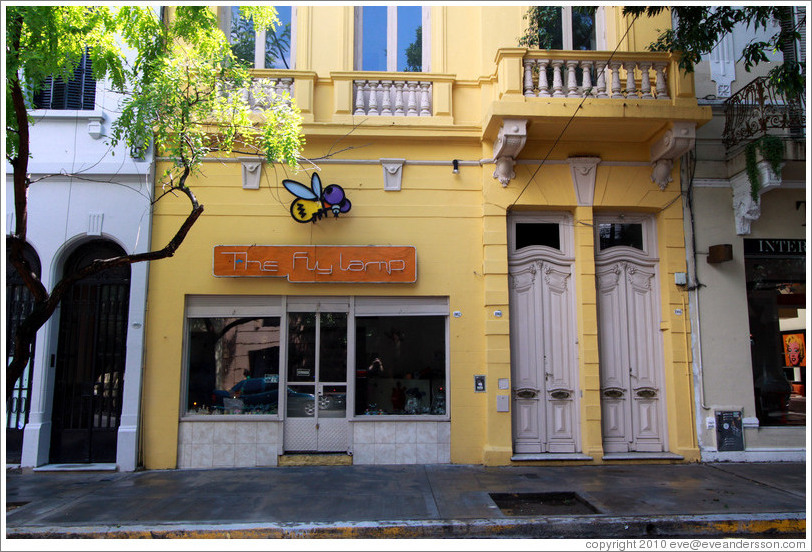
747 263
78 402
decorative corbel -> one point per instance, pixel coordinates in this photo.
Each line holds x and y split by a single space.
584 170
746 210
510 141
392 174
251 171
674 143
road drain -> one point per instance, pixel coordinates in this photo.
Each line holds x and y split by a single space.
14 505
542 504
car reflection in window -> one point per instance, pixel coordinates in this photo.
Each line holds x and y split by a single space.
261 396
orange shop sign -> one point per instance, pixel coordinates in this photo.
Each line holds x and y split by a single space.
318 263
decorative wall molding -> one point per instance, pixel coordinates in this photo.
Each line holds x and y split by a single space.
510 141
94 224
392 174
746 210
584 170
674 143
251 171
723 66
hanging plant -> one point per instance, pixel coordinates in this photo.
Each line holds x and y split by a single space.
771 148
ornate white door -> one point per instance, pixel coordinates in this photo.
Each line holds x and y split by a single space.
630 351
543 352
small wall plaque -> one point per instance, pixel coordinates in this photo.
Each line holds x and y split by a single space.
729 434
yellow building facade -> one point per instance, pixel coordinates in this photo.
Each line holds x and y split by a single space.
504 287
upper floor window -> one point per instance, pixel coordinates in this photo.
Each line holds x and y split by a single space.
391 38
260 49
564 28
77 93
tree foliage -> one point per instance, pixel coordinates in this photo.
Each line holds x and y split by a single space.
700 28
414 52
183 91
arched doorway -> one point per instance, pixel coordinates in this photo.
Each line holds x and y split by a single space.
19 302
90 360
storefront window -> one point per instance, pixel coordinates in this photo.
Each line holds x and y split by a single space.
776 299
400 365
233 365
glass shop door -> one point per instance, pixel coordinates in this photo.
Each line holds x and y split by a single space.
316 397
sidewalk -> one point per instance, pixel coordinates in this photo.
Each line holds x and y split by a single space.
414 501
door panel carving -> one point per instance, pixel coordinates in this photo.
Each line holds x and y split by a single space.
629 348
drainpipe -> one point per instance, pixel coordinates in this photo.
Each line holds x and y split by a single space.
687 169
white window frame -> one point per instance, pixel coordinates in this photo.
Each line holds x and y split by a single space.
392 38
566 28
259 42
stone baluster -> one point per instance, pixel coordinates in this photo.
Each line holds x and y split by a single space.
616 93
288 83
528 78
586 79
558 86
661 85
631 90
645 80
572 81
411 106
359 98
544 89
601 86
399 98
425 102
386 101
373 98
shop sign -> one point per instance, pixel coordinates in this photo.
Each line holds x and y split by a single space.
318 263
774 247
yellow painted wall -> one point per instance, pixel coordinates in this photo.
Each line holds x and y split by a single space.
456 222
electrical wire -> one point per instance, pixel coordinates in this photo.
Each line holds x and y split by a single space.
561 134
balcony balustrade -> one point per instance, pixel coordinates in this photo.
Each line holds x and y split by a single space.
595 75
397 98
757 108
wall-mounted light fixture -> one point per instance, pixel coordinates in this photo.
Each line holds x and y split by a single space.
456 164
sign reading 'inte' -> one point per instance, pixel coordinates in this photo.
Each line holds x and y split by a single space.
318 263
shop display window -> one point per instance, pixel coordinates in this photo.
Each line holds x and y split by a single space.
233 365
400 365
776 300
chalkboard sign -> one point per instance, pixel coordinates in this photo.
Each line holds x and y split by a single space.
729 434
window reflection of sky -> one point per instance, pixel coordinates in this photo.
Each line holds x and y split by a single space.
375 34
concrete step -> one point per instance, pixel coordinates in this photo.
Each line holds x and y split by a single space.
316 459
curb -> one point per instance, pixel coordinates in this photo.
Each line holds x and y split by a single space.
784 525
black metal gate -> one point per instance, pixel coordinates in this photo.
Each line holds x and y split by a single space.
19 303
90 361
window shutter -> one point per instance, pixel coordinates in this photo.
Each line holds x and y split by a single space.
78 93
88 85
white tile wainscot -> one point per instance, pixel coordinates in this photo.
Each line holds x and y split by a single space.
396 442
228 444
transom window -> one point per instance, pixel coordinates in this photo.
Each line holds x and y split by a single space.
263 49
613 234
537 233
391 38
